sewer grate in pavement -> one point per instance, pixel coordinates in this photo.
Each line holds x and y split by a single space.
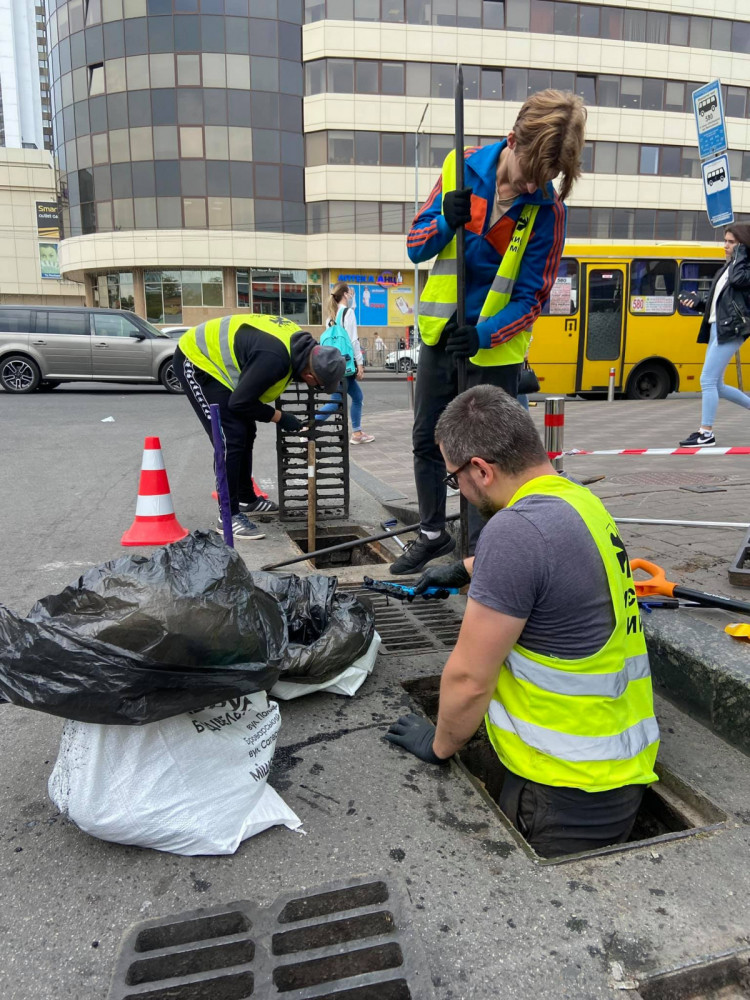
723 978
346 941
419 627
671 809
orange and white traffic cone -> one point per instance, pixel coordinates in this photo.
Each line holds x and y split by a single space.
258 491
155 522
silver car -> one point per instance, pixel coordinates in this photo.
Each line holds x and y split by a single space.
42 346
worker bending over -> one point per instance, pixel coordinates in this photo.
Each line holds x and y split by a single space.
551 650
244 363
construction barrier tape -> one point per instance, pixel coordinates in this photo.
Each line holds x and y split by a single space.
653 451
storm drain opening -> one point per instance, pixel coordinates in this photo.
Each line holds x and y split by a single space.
367 554
409 629
725 978
671 809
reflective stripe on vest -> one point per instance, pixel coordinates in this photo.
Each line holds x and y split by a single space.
210 346
437 303
589 722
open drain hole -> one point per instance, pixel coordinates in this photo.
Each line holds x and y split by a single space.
670 809
727 978
333 967
337 932
233 987
188 963
185 931
323 903
361 555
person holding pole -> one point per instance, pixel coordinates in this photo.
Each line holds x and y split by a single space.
514 234
244 363
725 327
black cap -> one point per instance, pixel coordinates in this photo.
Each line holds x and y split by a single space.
328 366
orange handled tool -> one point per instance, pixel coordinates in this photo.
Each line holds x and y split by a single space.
658 583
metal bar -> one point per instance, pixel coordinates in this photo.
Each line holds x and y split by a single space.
711 600
687 524
611 386
416 212
386 526
220 467
554 425
461 278
312 484
343 546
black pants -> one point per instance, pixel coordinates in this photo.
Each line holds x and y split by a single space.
437 385
239 432
558 821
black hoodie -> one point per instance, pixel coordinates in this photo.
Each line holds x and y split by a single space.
263 360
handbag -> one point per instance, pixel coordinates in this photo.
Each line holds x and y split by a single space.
527 380
741 321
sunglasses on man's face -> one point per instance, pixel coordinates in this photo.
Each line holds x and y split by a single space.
451 480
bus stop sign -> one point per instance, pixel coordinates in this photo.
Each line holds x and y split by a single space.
709 119
718 191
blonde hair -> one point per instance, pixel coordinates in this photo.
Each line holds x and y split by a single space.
334 301
550 132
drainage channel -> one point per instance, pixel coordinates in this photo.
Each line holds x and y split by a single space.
419 627
720 977
671 809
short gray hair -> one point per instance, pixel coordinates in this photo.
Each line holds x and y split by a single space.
485 422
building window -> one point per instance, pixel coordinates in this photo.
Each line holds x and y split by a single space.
295 295
96 80
168 292
115 291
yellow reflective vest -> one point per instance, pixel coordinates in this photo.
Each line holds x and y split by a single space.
210 347
437 302
586 723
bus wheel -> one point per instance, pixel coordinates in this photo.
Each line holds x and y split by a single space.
649 381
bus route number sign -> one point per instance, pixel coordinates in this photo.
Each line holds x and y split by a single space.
709 119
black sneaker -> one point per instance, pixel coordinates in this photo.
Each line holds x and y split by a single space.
242 527
261 505
420 551
699 439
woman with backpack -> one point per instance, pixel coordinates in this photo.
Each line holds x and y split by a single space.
341 332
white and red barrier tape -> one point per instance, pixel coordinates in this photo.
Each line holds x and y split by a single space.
652 451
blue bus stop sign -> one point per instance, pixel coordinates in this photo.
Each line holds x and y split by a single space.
718 191
709 119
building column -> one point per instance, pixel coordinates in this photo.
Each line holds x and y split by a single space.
89 281
230 290
139 294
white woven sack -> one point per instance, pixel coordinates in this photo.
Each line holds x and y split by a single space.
193 784
348 682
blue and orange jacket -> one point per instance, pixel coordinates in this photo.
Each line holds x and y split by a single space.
485 247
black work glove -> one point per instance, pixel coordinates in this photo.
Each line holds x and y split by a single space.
452 575
463 341
288 422
415 734
457 207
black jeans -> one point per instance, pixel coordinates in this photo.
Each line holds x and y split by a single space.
239 432
558 821
437 385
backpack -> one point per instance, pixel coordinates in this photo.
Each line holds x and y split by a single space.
336 336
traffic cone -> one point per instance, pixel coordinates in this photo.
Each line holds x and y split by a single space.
259 492
155 522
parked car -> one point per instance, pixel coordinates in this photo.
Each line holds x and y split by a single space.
175 332
42 346
403 360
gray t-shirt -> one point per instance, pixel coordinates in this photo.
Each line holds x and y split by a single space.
537 560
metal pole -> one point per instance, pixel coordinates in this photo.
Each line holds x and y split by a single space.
554 426
410 383
461 277
222 486
312 486
416 212
611 386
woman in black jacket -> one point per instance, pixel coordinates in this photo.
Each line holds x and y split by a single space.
726 324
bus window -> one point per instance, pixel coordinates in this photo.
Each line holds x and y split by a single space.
695 280
563 299
652 286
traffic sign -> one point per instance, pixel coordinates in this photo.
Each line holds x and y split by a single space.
709 119
718 191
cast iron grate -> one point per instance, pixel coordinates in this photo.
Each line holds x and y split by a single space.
419 627
725 977
347 941
331 457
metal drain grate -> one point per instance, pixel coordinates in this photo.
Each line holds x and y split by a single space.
348 941
419 627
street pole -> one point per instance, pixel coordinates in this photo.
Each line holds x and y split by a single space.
416 211
461 277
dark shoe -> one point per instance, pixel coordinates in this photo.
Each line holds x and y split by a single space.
699 439
260 505
242 527
420 551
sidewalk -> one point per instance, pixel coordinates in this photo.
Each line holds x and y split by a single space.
703 487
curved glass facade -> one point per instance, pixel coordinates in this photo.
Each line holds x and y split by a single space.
175 114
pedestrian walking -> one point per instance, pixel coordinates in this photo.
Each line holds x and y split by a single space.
515 231
725 327
244 363
342 324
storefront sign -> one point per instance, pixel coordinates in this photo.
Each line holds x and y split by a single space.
48 220
381 299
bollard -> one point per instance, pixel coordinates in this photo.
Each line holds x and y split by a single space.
410 383
554 425
611 386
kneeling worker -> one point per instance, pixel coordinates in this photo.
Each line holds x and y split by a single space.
244 363
551 650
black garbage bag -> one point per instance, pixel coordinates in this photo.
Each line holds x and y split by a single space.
140 639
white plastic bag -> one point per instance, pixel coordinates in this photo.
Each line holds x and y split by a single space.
348 682
192 784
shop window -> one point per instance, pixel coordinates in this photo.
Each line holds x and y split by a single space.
695 280
652 284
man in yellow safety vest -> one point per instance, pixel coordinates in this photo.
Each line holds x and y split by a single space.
514 222
244 363
551 651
